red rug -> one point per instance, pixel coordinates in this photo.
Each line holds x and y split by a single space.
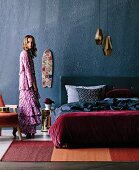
44 151
29 151
125 154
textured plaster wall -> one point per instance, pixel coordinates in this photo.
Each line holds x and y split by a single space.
68 28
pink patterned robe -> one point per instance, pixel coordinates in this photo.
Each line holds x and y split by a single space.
29 106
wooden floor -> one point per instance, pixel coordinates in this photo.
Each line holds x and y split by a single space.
70 166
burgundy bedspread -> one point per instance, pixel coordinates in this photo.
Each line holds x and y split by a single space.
81 129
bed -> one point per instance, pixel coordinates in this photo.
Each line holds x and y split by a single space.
112 119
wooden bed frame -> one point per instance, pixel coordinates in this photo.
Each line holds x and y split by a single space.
115 82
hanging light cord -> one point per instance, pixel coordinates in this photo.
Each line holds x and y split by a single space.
107 17
99 14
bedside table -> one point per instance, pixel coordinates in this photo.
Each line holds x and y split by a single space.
46 120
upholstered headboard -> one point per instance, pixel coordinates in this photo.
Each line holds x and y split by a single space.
115 82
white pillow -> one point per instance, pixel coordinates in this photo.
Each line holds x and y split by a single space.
72 92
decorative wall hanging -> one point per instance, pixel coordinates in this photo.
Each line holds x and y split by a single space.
107 47
99 34
47 68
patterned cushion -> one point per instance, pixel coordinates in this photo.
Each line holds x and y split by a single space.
72 93
89 95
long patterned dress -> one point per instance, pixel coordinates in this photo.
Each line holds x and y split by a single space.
29 106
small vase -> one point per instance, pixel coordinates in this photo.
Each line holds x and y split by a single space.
47 106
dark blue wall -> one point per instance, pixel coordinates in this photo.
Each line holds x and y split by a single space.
68 28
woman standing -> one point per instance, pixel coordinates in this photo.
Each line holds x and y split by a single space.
29 106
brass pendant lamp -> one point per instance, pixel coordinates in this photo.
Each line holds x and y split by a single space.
107 47
99 34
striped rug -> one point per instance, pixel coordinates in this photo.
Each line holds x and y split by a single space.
44 151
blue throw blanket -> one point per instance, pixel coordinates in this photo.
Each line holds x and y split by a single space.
106 104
